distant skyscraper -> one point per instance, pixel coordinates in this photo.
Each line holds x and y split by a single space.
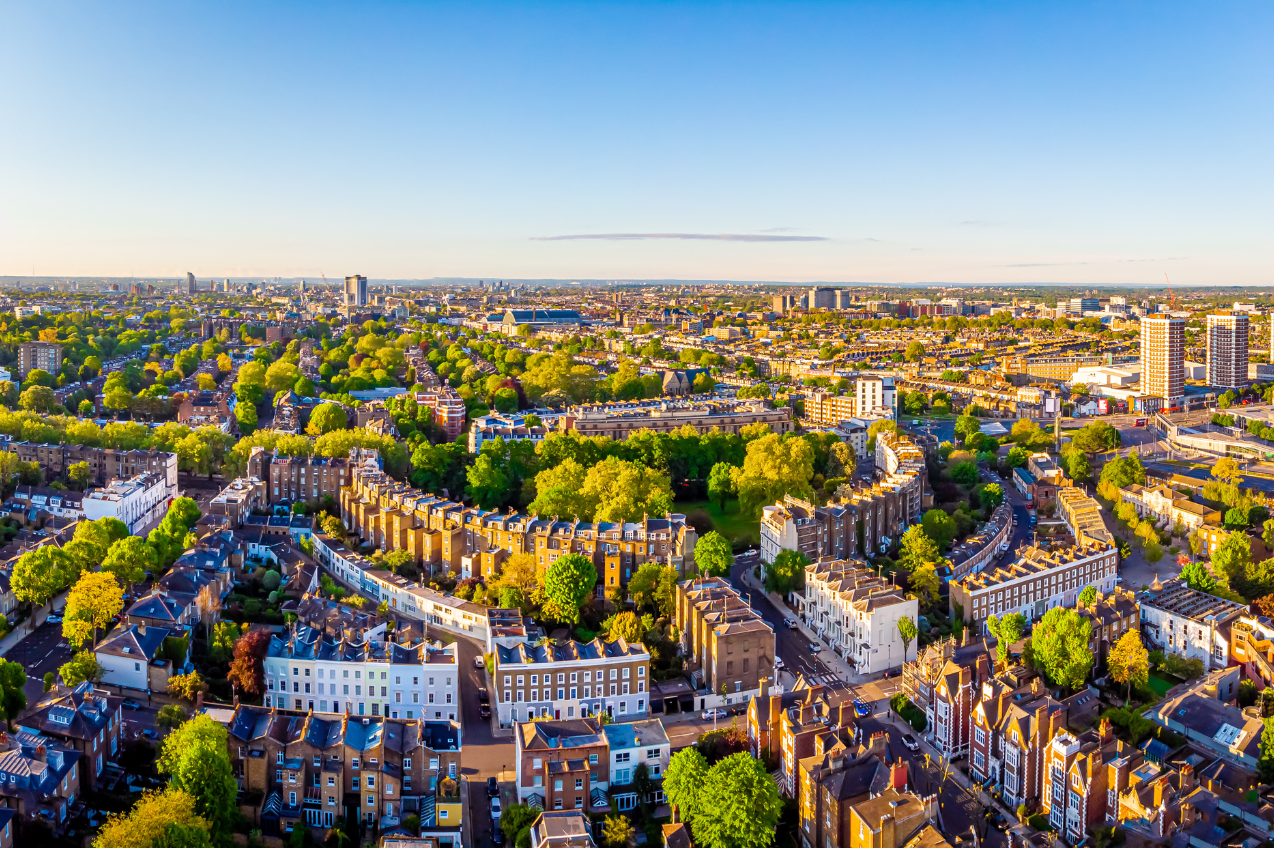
191 285
356 290
823 298
1227 349
1163 348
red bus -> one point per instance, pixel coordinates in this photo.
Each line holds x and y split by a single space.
1140 422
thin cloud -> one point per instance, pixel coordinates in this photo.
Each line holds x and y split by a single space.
981 223
1042 264
783 230
676 236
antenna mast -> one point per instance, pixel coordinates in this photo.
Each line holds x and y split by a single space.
1172 299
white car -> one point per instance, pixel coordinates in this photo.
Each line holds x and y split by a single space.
909 742
778 662
815 647
495 809
479 662
713 713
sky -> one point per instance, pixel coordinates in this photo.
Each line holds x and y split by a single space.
1090 143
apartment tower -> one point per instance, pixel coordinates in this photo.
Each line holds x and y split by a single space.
1227 349
1163 359
46 356
356 290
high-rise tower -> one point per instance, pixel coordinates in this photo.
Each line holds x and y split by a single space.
1163 348
1227 349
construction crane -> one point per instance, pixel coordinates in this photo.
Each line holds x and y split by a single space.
1172 300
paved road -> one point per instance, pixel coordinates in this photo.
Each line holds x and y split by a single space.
44 650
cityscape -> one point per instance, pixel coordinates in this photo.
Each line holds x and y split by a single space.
636 426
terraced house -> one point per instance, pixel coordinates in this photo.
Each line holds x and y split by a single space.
566 680
857 613
440 533
309 769
860 524
731 648
362 674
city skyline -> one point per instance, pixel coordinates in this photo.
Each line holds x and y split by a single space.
788 143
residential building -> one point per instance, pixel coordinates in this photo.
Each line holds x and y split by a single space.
62 503
869 519
511 428
1163 359
1227 349
567 679
81 718
1038 581
875 397
765 716
890 819
40 780
619 421
1163 503
828 410
562 765
1179 620
633 744
131 658
312 769
240 498
355 290
563 829
307 479
1211 722
1111 616
1074 794
838 775
105 464
140 502
1012 724
43 356
856 613
362 674
729 646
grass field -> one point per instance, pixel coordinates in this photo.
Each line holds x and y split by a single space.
735 527
1160 684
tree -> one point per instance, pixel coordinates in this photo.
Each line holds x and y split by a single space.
517 819
117 399
966 426
146 824
787 572
568 584
197 761
488 483
1197 575
627 626
186 686
1097 437
224 636
130 560
907 632
13 699
684 780
1087 595
917 549
93 602
739 805
1226 470
1129 662
1265 766
81 667
326 418
992 495
771 469
245 414
616 831
924 583
713 555
78 473
915 351
38 399
39 575
170 715
1017 457
939 527
1060 644
247 669
1124 471
1232 556
720 483
1006 631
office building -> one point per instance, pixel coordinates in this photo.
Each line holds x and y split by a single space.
1084 304
1163 341
1227 349
46 356
191 285
356 290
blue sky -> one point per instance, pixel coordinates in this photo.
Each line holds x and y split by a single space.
966 142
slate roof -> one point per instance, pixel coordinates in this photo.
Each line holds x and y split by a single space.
130 643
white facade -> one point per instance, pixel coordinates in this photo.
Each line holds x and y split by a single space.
1189 623
139 502
366 686
1163 340
857 613
128 672
1227 349
633 744
873 396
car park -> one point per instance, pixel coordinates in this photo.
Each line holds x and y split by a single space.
493 788
909 742
713 713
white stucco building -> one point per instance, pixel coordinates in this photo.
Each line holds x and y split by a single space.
139 502
1192 624
856 614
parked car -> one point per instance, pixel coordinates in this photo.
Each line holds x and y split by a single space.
130 704
54 619
789 623
150 733
815 647
713 713
861 708
495 809
778 662
484 697
484 710
909 742
479 662
493 788
497 836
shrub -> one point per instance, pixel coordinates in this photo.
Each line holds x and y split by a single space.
271 580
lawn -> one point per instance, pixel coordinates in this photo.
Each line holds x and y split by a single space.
1160 684
738 529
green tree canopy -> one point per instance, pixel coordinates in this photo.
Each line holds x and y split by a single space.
568 585
1060 644
713 555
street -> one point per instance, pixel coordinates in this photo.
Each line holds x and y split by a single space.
42 651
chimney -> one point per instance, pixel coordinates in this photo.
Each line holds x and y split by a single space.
1160 786
1037 686
141 628
1105 732
1187 778
983 670
898 775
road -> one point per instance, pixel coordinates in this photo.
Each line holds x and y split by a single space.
44 650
